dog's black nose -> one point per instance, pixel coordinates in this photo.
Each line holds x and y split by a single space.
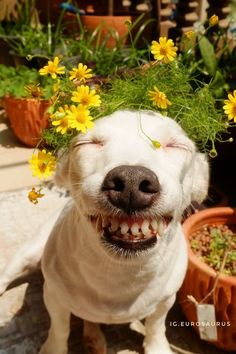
131 188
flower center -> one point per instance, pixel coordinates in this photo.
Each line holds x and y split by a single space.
42 166
85 101
163 51
81 118
64 123
52 68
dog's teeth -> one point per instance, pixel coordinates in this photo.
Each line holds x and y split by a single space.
154 224
114 225
160 228
145 228
135 229
124 228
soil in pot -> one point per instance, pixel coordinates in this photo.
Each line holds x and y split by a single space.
210 244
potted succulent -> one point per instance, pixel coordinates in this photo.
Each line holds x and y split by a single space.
25 102
211 274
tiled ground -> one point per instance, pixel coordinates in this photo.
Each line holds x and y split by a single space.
23 318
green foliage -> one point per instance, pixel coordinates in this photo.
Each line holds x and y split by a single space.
219 244
193 109
92 48
208 55
211 58
13 81
53 141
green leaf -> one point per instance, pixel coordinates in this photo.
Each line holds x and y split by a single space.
208 55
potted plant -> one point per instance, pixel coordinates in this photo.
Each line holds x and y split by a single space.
108 24
25 102
211 274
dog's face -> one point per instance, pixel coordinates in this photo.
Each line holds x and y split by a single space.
128 190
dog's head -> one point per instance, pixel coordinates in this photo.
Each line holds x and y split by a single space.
127 189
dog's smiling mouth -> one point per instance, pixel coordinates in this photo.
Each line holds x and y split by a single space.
129 233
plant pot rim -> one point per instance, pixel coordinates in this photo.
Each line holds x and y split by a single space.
196 221
106 16
31 99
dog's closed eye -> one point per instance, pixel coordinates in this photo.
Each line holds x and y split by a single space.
177 144
88 142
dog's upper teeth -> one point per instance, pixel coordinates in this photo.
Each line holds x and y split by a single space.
124 228
135 229
154 224
145 228
160 227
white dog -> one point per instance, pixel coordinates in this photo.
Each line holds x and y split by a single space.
117 252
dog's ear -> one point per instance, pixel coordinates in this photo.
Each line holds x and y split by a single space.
196 181
62 173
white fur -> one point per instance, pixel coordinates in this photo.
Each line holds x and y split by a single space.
87 279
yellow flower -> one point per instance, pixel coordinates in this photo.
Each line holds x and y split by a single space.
190 34
164 50
60 120
79 118
43 164
52 68
85 96
158 98
33 195
81 73
230 106
213 20
62 125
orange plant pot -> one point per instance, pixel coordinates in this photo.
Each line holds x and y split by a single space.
200 279
110 27
28 117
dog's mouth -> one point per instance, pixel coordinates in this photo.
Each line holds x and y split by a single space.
130 233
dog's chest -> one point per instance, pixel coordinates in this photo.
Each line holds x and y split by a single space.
101 289
105 294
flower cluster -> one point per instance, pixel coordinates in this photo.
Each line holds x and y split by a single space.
74 115
76 102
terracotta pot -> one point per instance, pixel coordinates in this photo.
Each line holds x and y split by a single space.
108 24
200 278
27 117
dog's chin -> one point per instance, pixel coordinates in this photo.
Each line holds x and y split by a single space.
131 234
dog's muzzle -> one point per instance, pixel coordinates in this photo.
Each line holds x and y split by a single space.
130 190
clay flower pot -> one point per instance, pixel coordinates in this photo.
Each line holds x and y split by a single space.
28 117
108 24
200 279
110 27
